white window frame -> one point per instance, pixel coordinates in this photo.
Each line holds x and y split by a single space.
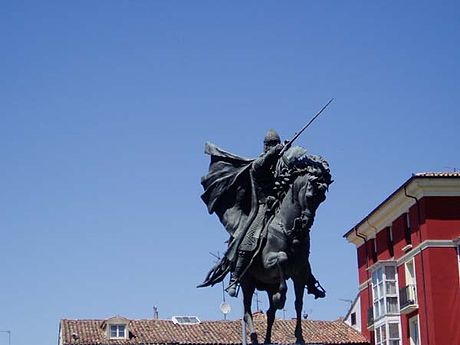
458 258
410 262
118 329
413 279
414 320
382 332
381 295
385 289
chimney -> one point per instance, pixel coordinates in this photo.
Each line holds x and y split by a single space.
155 312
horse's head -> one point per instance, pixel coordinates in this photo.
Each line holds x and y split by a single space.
308 178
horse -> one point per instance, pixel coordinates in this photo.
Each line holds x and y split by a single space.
284 253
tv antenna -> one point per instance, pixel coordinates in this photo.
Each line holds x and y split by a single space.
9 335
224 307
258 301
307 313
346 300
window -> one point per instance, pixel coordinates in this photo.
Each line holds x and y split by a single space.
414 331
387 334
117 331
386 306
410 272
116 327
384 292
393 333
377 292
353 319
185 320
380 335
408 293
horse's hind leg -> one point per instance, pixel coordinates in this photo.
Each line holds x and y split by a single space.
270 319
248 288
299 285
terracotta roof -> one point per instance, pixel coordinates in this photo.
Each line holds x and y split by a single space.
158 332
438 174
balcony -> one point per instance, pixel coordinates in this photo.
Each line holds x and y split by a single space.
408 299
370 318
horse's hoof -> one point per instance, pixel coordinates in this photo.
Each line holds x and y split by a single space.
320 294
254 340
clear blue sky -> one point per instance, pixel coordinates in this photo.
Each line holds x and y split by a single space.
105 107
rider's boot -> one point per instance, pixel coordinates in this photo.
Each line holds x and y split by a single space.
241 263
315 288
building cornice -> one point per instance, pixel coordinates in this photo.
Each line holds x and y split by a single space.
399 202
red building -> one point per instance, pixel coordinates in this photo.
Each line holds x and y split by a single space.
409 264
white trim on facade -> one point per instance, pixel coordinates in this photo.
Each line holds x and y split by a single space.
364 285
457 245
425 245
399 203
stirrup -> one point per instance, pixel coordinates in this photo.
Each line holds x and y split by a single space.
233 289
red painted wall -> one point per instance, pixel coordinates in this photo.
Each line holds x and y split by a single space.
398 228
364 299
383 244
442 295
437 271
362 261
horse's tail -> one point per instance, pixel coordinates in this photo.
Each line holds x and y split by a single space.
217 273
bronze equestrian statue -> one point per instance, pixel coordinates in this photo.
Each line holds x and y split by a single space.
267 205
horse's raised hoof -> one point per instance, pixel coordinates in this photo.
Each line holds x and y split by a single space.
279 300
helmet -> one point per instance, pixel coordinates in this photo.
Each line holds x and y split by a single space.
271 139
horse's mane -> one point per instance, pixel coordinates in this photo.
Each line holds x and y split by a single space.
297 163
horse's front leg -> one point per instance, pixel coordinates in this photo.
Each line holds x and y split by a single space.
299 285
277 261
279 299
248 288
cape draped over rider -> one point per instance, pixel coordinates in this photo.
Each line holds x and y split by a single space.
237 189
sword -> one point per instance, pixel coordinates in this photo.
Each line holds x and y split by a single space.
289 142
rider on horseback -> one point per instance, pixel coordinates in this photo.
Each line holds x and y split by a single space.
263 173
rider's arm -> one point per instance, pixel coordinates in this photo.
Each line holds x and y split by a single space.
267 159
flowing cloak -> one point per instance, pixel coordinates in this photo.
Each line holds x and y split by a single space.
229 192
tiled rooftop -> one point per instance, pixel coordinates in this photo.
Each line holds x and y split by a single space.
438 174
89 332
